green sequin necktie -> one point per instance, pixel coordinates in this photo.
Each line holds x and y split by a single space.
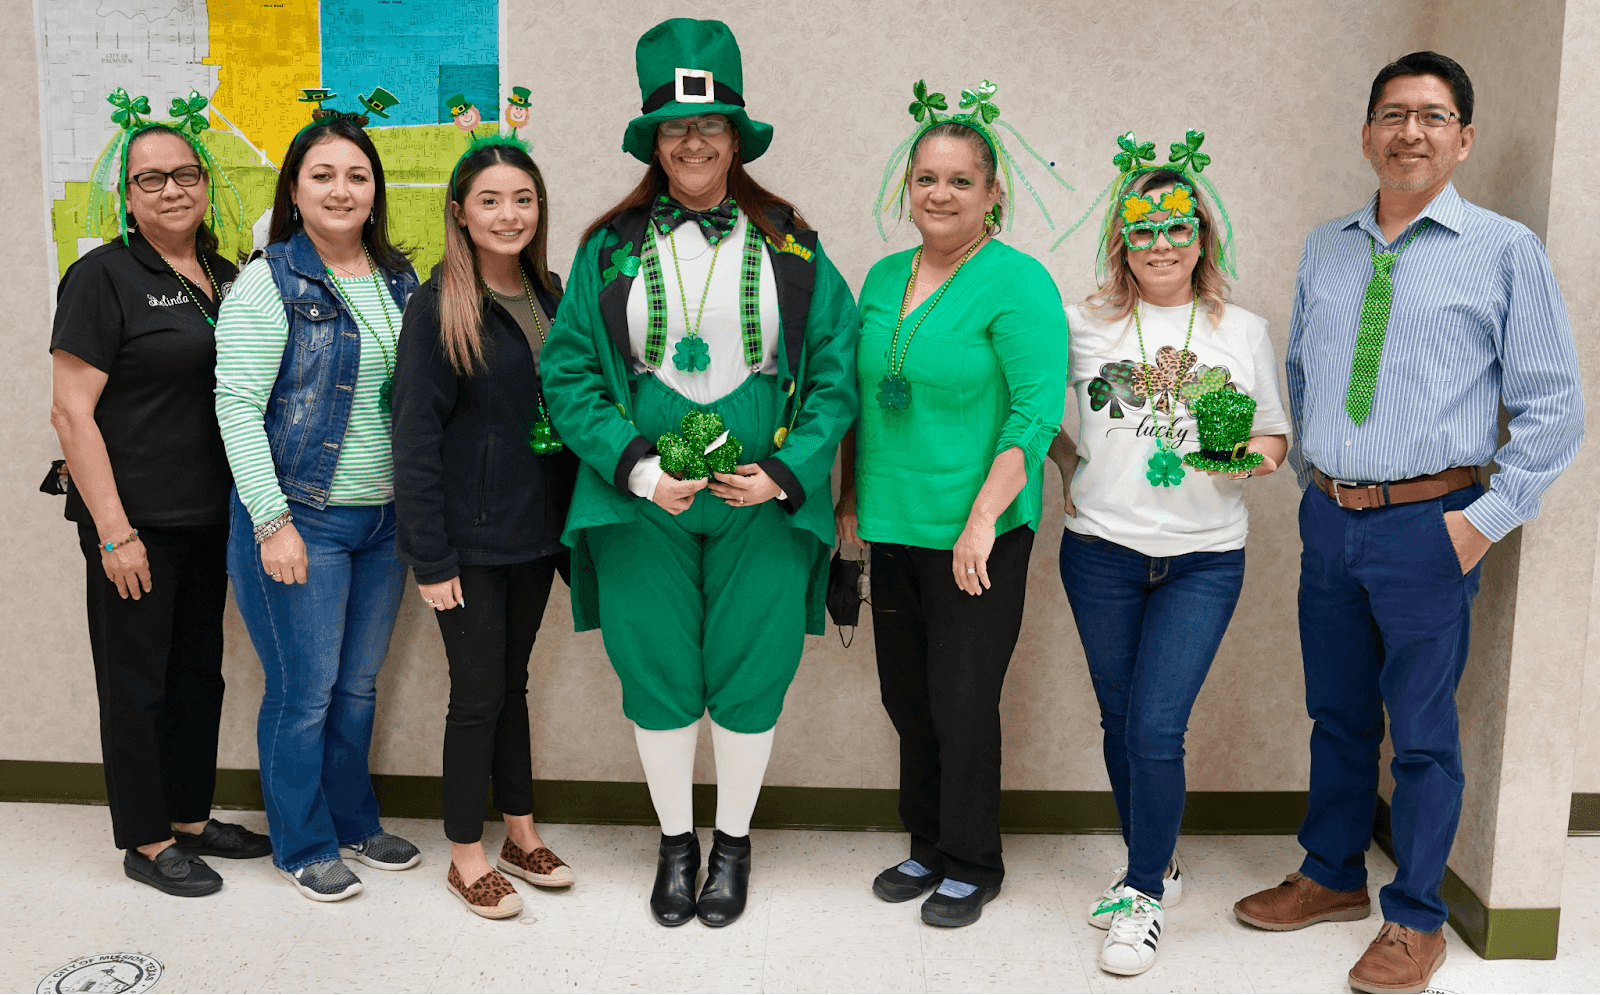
1374 324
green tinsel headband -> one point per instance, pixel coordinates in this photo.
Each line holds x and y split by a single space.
981 115
1135 159
107 189
510 141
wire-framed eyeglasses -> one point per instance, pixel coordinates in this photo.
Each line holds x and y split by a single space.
1428 117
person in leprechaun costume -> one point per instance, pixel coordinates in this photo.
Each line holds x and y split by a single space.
705 397
1177 393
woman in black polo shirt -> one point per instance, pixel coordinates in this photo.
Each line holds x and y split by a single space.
481 487
133 370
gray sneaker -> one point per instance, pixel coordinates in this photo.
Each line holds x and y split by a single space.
385 852
324 881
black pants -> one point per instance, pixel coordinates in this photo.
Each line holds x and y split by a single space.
942 658
158 673
486 739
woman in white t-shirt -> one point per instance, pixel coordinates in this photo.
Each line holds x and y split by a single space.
1153 554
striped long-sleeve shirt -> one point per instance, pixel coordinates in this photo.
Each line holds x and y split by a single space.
1477 319
252 331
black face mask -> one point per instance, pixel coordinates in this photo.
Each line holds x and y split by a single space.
844 593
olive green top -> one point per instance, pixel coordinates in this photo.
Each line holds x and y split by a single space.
986 372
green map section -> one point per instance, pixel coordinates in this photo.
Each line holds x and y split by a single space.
422 154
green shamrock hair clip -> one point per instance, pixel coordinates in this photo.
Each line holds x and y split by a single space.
979 112
684 453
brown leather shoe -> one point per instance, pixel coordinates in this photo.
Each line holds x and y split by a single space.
1400 960
1299 902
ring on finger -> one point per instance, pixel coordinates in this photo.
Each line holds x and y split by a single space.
972 570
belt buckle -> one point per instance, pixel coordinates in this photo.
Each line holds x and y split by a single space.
1351 484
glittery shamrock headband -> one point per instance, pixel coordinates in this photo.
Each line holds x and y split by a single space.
981 115
1129 209
107 188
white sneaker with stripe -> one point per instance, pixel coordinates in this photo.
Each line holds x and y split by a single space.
1136 924
1171 883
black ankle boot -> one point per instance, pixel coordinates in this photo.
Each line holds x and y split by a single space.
672 899
727 880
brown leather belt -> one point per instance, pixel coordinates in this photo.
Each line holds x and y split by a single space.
1361 496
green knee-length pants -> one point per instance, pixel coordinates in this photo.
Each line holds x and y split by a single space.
705 610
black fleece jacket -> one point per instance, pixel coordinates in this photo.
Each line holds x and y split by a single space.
468 491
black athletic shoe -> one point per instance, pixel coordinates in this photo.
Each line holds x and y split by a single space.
942 910
895 885
174 872
224 839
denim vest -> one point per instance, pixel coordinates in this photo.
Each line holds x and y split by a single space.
309 410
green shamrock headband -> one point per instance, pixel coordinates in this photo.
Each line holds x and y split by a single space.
107 190
1135 159
981 115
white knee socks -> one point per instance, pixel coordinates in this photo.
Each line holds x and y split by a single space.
668 758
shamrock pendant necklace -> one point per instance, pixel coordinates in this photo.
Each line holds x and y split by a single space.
894 390
692 355
192 290
542 436
1165 465
386 389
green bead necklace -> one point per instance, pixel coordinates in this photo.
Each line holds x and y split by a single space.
894 390
692 355
192 290
542 436
386 389
1165 465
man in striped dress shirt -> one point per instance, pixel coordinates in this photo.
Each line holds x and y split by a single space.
1414 319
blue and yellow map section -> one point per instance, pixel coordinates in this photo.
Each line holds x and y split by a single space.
421 51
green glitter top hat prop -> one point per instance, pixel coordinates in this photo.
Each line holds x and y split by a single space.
687 68
106 215
689 453
1127 208
1224 418
980 113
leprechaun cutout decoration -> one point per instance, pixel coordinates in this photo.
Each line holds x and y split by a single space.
463 112
518 108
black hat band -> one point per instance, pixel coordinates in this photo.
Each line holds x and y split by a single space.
666 93
1226 455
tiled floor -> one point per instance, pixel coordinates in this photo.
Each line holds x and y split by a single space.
812 924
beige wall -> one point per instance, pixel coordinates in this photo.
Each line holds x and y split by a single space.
1279 88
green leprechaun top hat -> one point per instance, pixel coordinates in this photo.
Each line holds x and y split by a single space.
379 101
458 104
688 68
520 95
1224 418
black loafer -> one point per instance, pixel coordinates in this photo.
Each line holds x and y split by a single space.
895 885
672 898
942 910
174 872
224 839
727 887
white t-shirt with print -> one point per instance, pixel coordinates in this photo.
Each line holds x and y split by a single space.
1120 423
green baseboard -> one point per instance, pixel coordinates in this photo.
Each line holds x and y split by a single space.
1496 933
1585 817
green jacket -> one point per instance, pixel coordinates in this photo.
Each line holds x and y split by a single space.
586 368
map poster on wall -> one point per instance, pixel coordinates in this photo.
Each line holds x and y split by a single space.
251 59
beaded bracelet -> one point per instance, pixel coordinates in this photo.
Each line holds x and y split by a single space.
264 532
112 547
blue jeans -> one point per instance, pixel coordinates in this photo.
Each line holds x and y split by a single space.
321 644
1150 627
1385 614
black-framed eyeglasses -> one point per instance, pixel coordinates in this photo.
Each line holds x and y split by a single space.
1180 231
707 126
1428 117
155 181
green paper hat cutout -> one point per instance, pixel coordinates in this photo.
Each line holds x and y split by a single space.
519 96
687 68
379 101
315 95
458 104
1224 417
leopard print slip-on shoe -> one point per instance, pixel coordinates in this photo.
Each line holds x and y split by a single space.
541 867
491 896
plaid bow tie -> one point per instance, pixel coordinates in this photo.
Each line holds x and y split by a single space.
716 222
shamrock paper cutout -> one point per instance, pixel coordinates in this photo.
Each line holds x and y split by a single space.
683 453
188 113
926 103
1205 380
691 355
1136 208
1166 469
1188 151
1179 201
894 393
978 98
1128 159
622 261
128 108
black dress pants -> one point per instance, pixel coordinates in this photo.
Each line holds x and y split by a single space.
488 642
158 674
942 659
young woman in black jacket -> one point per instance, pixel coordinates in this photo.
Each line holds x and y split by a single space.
481 492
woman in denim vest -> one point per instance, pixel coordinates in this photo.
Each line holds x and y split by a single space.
305 355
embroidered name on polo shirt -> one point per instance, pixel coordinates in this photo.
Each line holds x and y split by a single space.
792 247
165 301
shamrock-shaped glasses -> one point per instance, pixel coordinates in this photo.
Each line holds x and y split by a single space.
155 181
1182 227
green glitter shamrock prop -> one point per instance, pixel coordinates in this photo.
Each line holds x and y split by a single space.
1166 469
1179 201
1224 419
128 108
1132 151
622 261
926 103
1187 154
894 393
980 99
691 355
683 453
1137 207
190 113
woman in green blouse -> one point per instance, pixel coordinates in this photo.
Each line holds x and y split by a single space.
963 347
